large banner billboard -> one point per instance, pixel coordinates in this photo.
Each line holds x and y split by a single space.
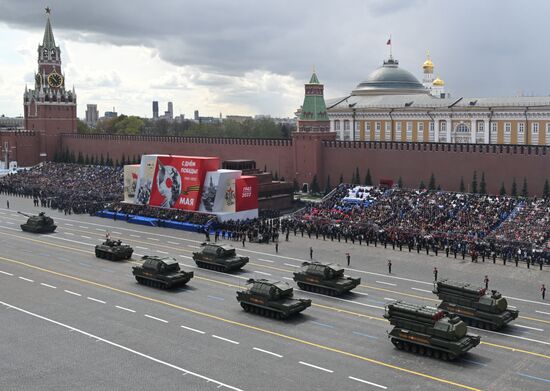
145 178
178 181
131 173
214 195
246 188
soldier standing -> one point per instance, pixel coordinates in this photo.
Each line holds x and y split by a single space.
348 257
311 253
486 280
8 203
435 273
389 266
277 247
543 291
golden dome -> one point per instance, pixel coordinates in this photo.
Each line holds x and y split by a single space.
438 82
428 64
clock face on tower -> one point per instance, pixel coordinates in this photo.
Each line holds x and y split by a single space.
55 80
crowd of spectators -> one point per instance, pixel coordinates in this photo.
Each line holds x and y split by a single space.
124 210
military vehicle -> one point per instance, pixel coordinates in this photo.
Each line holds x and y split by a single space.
474 305
40 224
219 257
428 331
325 278
271 298
161 272
113 250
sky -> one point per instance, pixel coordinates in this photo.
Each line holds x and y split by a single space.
248 57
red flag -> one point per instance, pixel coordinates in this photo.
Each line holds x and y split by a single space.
389 42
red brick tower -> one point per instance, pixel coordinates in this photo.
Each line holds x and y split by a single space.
49 108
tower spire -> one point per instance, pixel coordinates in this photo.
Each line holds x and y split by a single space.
48 41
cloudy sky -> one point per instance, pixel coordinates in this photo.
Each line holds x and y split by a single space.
252 57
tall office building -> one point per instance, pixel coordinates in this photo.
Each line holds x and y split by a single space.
196 115
92 115
155 109
170 113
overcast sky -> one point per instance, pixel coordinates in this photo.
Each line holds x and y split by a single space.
252 57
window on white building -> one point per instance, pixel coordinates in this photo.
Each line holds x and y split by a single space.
548 134
494 133
367 131
409 131
346 124
337 124
377 128
443 131
420 132
507 132
521 133
462 134
387 131
535 133
398 136
431 134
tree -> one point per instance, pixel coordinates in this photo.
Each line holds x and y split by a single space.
438 187
296 185
524 191
86 160
328 187
514 191
482 184
123 160
431 184
80 159
502 189
314 188
72 158
462 188
101 160
265 167
400 183
81 127
546 189
116 163
276 177
368 179
474 183
357 177
341 178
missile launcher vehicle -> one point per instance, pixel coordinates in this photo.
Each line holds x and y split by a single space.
113 250
325 278
40 224
474 305
161 272
219 257
271 298
428 331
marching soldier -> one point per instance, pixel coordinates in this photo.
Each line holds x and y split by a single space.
389 266
435 273
486 280
543 291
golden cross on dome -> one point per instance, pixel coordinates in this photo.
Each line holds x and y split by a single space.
48 10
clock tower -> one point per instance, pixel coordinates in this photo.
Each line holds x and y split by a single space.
50 109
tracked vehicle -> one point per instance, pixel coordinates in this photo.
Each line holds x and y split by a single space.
113 250
271 298
325 278
161 272
219 257
474 305
428 331
40 224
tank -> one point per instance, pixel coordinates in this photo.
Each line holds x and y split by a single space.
474 305
271 298
113 250
325 278
219 257
40 224
428 331
161 272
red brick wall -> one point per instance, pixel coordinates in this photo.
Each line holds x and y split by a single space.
24 147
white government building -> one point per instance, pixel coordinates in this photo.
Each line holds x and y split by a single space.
392 105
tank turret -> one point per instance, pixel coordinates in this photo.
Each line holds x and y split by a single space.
474 304
428 330
38 224
325 278
271 298
161 272
219 257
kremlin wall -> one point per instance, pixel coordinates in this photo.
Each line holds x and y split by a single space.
457 137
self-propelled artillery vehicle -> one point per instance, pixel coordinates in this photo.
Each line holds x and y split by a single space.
271 298
113 250
474 305
161 272
219 257
40 224
428 331
325 278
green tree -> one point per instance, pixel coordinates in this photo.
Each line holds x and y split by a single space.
296 185
546 189
81 127
341 178
80 159
502 189
86 160
314 188
357 177
524 191
431 184
123 160
116 164
72 158
514 191
462 188
276 177
328 187
129 125
438 187
101 160
400 183
368 179
482 184
474 183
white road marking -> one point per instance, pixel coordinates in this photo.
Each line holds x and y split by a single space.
26 279
512 336
48 285
225 339
541 312
527 327
72 293
124 308
265 260
161 252
264 273
368 382
69 224
176 243
316 367
389 298
156 240
99 229
115 232
96 300
6 273
185 256
70 240
527 301
344 300
142 248
68 233
85 237
83 226
288 278
288 264
155 318
268 352
9 222
421 290
386 283
192 329
135 236
512 307
220 384
361 293
139 255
